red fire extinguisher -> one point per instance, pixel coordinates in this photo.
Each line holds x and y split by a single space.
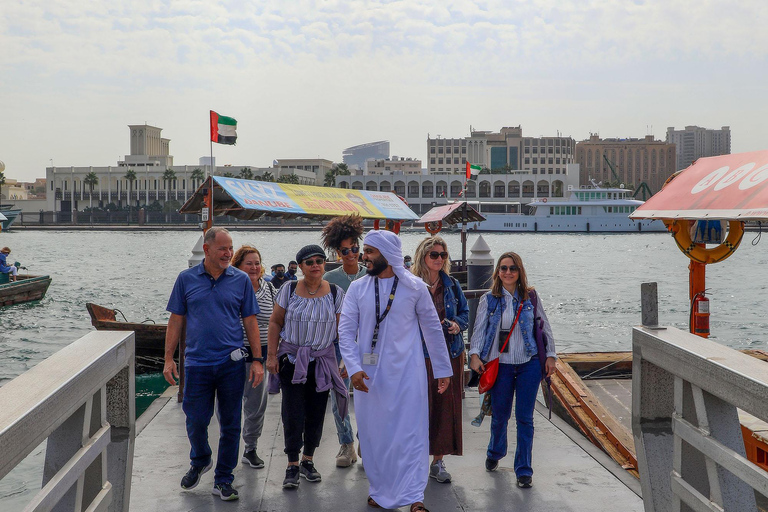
700 315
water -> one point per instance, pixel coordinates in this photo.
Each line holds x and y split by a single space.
589 284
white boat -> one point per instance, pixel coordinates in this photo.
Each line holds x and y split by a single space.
587 209
10 215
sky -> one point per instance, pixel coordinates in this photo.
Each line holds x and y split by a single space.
306 79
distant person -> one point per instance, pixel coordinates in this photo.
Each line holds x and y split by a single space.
379 336
433 265
292 268
302 329
212 298
248 259
5 268
280 278
407 261
504 313
342 235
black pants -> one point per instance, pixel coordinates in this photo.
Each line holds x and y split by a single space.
303 411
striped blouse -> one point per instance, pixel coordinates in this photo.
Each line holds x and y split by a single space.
309 322
265 297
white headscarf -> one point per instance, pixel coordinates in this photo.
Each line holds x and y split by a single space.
391 249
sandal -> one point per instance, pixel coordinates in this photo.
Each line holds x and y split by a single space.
372 503
418 507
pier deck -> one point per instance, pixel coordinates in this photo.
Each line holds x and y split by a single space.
570 475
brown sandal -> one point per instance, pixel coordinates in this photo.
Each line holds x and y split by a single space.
418 507
372 503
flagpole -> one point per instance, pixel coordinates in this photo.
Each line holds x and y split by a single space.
209 223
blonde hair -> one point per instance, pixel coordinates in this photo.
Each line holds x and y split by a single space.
424 248
242 252
522 280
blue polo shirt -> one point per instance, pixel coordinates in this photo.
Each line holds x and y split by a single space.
213 308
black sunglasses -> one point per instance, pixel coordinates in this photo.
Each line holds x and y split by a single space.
318 261
355 249
434 255
511 268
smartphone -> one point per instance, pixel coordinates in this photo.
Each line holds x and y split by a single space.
503 333
447 323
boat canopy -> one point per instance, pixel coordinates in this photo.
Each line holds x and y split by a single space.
3 217
451 214
728 187
249 199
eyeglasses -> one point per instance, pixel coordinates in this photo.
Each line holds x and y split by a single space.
434 255
511 268
354 249
318 261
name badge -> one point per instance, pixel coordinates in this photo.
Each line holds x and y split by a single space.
371 359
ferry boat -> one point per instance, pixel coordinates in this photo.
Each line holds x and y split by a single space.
588 209
10 213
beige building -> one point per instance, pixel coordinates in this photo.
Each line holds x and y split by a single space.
695 142
634 160
318 166
394 165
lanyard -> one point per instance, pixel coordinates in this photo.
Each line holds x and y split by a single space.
381 318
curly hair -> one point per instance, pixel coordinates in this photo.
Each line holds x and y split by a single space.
340 229
242 252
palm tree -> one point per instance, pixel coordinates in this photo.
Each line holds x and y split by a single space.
337 170
130 175
91 180
196 176
2 182
288 178
168 176
246 173
266 176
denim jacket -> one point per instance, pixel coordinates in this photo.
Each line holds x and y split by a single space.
457 310
496 306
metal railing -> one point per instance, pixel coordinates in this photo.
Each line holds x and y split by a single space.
81 399
685 394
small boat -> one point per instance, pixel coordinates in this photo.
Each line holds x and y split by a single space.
150 337
24 289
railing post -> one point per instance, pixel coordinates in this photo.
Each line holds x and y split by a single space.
121 414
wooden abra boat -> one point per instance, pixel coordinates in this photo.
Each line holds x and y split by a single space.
150 337
25 289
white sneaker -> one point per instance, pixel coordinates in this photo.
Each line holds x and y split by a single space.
346 456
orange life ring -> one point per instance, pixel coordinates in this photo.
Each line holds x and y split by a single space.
389 225
433 228
698 252
544 200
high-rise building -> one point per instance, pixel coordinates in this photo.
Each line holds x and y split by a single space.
634 160
695 142
356 156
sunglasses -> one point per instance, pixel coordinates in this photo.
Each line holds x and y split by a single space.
511 268
354 249
318 261
434 255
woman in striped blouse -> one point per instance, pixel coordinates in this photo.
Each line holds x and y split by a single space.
302 329
248 259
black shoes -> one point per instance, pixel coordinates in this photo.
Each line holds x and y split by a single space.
291 477
524 482
308 471
252 459
491 465
192 478
225 491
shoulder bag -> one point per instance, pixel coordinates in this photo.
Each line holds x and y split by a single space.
488 377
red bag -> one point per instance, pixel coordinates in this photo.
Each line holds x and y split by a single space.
488 377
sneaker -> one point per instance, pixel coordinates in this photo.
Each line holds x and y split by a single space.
291 477
192 478
346 456
438 472
308 471
250 457
491 465
525 482
225 491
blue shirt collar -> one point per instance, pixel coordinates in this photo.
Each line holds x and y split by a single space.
230 270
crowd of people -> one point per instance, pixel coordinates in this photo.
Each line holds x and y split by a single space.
381 327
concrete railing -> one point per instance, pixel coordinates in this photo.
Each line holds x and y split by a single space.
685 395
81 399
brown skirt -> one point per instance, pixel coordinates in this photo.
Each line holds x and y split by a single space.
445 412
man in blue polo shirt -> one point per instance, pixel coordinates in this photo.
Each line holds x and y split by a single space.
211 298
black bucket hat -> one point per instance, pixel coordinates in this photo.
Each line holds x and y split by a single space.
308 251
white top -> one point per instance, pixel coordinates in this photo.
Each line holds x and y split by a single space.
309 321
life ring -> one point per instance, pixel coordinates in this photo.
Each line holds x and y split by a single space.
389 225
698 252
544 200
433 228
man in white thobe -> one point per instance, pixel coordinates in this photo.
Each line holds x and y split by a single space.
388 371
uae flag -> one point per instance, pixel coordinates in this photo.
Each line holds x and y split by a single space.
473 171
223 129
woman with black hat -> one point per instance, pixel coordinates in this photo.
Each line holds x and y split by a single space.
302 329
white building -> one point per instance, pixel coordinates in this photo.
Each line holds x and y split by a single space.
394 165
356 156
695 142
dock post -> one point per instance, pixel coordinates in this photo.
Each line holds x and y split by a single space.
649 300
479 273
121 414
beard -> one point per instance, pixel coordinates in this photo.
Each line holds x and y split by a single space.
379 265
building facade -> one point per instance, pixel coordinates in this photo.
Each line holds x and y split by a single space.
356 156
506 150
634 160
695 142
317 166
394 165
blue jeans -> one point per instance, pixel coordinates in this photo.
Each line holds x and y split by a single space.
203 386
523 380
343 426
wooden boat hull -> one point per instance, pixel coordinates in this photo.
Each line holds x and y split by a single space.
25 289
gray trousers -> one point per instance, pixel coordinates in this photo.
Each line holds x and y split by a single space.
254 406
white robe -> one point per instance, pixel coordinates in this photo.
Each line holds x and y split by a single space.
393 417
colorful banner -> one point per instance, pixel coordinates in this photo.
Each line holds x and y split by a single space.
280 198
728 187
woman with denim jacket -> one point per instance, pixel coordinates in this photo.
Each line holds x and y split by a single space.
432 264
519 368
